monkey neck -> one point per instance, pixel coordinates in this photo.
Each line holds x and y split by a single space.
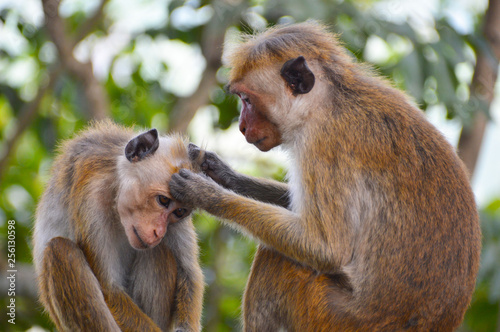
299 166
310 145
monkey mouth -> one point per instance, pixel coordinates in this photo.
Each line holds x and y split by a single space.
260 140
263 144
143 244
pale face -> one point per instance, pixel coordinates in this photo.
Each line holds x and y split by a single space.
144 203
145 214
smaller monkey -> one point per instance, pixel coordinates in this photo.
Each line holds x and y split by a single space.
112 250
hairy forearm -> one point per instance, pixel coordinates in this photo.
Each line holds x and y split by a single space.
126 313
293 235
189 296
267 191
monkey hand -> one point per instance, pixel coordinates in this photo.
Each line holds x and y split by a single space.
191 189
213 166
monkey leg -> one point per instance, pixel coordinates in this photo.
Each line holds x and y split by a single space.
283 295
70 291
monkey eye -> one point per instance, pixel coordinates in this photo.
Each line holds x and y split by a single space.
163 200
180 212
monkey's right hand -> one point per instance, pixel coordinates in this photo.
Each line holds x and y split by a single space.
193 190
213 166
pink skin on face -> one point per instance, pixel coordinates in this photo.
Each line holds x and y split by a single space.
255 126
145 227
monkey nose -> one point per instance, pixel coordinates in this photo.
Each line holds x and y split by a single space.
154 235
243 128
159 232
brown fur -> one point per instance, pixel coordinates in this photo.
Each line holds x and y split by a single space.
381 232
90 277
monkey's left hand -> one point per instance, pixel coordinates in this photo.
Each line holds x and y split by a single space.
192 189
211 165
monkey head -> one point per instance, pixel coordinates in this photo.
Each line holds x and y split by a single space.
144 204
265 96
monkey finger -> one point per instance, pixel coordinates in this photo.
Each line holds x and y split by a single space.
186 174
177 186
215 168
207 163
211 162
193 151
205 167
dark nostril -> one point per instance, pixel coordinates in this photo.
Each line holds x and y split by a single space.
154 232
243 130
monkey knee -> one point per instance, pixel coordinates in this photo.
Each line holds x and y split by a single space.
61 248
61 243
65 273
62 254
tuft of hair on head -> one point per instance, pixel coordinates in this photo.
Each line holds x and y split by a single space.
281 43
179 152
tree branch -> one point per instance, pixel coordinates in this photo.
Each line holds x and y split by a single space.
26 116
89 25
98 104
482 87
211 46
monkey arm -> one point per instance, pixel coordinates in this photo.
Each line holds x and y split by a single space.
189 294
126 313
71 291
78 301
182 240
302 238
267 191
263 190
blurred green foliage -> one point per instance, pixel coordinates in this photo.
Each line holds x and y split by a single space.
434 67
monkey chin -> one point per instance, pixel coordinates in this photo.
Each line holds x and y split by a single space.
265 144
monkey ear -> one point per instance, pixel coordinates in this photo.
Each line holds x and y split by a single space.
298 75
141 146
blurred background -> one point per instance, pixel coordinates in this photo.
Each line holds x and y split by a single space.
157 63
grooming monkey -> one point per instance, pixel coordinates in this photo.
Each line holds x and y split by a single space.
377 229
112 250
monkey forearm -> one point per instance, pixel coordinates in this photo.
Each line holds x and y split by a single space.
279 228
299 237
263 190
189 295
267 191
70 290
126 313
